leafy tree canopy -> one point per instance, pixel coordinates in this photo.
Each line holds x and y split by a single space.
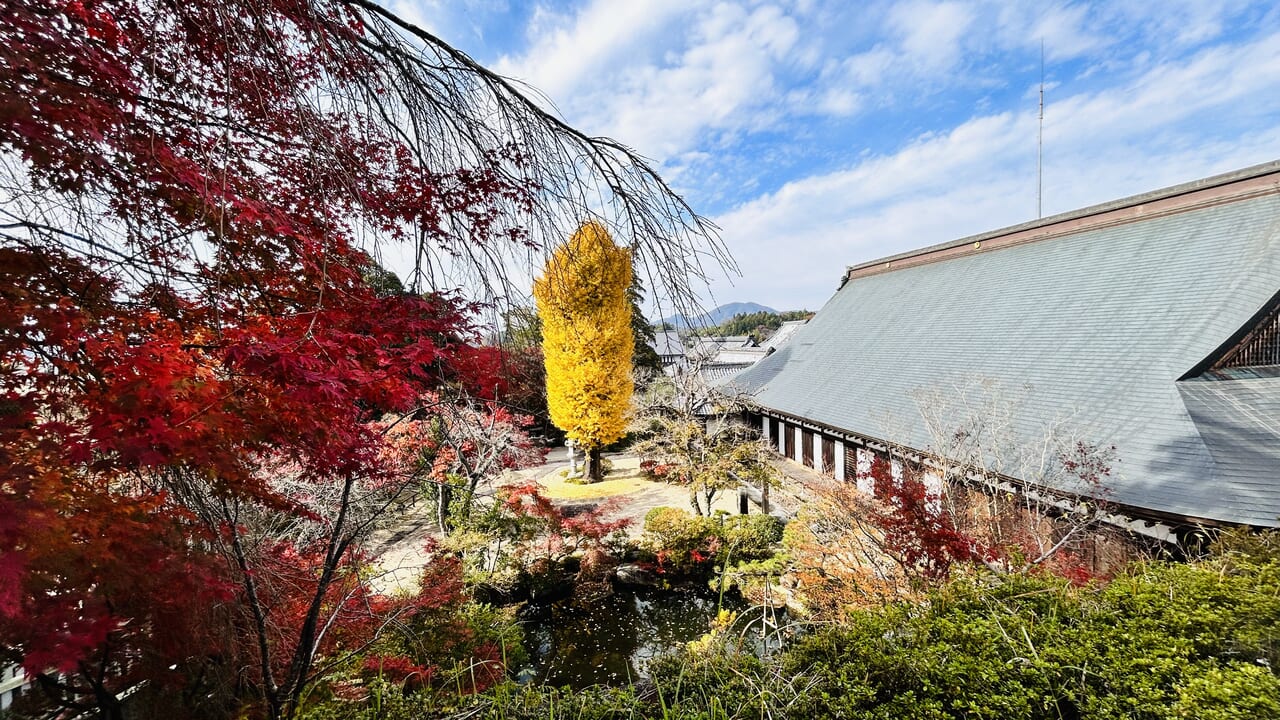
587 338
760 324
195 348
644 356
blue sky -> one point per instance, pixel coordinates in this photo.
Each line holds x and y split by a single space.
822 134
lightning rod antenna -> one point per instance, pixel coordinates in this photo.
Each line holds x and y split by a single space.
1040 142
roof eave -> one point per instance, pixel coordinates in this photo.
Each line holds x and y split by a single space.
1159 524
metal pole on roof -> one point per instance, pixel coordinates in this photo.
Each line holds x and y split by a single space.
1040 143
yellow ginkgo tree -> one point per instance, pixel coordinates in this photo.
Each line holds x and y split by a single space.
587 339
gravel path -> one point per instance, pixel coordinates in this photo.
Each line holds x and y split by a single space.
633 494
399 549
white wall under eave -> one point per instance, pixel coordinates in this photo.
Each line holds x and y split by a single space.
838 470
13 681
865 483
799 438
933 489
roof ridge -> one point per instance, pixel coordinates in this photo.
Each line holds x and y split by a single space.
1212 190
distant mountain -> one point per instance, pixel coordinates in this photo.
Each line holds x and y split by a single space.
717 316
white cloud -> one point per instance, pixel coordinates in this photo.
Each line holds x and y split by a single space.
839 101
1248 77
870 67
792 243
1067 31
568 52
931 33
660 75
417 12
1181 22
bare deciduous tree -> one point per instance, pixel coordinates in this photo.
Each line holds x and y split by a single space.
691 435
1041 489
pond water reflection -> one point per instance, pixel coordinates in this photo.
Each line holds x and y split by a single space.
611 641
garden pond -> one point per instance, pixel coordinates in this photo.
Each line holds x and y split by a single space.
613 640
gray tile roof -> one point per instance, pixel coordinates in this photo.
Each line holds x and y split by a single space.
739 356
720 371
668 343
783 333
1090 329
1239 423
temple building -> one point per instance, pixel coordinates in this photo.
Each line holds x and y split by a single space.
1144 330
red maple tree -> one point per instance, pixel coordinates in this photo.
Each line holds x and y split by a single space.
917 529
187 306
454 445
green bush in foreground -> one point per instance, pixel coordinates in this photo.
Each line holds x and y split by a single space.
1163 641
505 702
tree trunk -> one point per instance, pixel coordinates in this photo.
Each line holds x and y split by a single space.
109 706
444 498
593 469
693 500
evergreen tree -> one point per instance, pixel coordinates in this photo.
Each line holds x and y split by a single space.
644 356
587 339
760 324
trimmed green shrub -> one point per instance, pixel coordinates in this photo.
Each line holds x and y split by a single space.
692 544
753 536
1163 641
682 542
1237 691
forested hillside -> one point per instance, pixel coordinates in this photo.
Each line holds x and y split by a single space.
763 323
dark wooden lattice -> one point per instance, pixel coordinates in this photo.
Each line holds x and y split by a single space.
1260 347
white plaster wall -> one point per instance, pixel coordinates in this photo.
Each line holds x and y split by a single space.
933 487
865 483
